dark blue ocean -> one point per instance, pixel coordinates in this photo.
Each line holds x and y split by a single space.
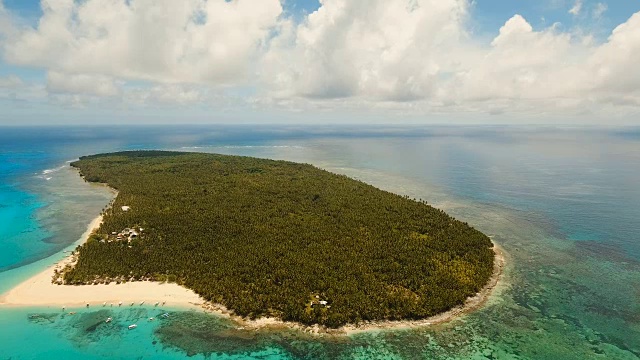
563 202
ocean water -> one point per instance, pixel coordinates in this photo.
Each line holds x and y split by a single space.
564 203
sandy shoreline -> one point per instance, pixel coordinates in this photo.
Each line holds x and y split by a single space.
471 304
41 292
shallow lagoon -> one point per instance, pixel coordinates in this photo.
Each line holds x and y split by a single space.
563 203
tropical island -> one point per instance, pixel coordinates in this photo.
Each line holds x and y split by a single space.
267 238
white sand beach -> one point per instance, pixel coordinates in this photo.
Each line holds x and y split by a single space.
472 303
40 291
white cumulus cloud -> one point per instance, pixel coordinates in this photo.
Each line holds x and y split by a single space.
521 64
194 41
392 49
416 57
614 64
420 53
98 85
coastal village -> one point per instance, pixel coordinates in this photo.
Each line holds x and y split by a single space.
127 234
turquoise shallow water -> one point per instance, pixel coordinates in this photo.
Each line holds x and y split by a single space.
563 203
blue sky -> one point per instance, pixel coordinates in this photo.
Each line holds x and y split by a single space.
54 88
489 14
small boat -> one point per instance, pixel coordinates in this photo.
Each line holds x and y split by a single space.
165 315
120 303
132 326
156 304
108 320
104 304
72 313
151 319
87 304
131 304
141 302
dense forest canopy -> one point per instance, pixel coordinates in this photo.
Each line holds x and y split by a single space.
275 238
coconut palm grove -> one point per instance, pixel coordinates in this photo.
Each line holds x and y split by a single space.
276 238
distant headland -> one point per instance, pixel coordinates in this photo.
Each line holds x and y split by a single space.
274 239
